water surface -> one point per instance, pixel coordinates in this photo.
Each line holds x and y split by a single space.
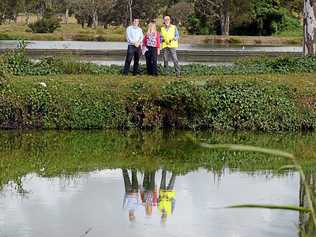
70 206
72 183
86 45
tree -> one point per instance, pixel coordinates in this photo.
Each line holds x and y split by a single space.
65 7
181 12
68 5
27 6
310 27
294 6
215 10
148 12
130 10
89 11
124 10
8 10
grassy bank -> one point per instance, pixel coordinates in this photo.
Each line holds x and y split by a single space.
75 32
260 103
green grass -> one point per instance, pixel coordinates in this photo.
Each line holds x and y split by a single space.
269 206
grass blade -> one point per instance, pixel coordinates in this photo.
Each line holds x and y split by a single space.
289 208
246 148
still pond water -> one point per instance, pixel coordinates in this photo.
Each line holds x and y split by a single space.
83 45
145 184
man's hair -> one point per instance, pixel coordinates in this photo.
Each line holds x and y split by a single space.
136 18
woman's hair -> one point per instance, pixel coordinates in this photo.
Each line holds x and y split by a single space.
152 27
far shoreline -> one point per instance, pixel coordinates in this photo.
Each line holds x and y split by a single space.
74 32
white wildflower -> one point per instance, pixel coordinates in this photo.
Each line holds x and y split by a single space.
43 84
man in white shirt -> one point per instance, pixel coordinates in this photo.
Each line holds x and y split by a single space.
131 199
134 37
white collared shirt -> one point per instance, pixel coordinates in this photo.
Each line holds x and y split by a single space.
134 34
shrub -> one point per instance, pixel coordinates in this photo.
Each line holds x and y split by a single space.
4 36
234 40
247 105
16 61
45 25
289 25
201 104
196 26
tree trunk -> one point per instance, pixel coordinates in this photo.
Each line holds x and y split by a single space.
66 15
95 19
309 27
130 10
28 17
225 18
15 18
225 23
90 22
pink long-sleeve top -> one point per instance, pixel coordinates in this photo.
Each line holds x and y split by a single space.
152 40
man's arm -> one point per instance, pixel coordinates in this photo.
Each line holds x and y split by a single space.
129 36
141 37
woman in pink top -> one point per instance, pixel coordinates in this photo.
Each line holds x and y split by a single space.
152 43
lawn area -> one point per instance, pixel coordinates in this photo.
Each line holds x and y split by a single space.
66 32
76 32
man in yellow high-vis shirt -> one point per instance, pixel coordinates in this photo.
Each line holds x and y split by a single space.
170 42
166 202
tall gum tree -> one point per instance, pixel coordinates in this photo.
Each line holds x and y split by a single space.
215 10
309 27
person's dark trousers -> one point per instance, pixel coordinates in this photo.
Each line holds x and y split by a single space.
151 61
134 181
172 182
130 186
149 180
146 181
163 180
163 184
132 52
152 180
127 181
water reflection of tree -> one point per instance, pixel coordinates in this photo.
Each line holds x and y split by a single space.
307 228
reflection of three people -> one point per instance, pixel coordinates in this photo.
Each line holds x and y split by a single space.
146 196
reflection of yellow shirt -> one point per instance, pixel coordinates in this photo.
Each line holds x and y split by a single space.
165 200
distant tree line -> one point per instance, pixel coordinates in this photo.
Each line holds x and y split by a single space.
87 12
243 17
